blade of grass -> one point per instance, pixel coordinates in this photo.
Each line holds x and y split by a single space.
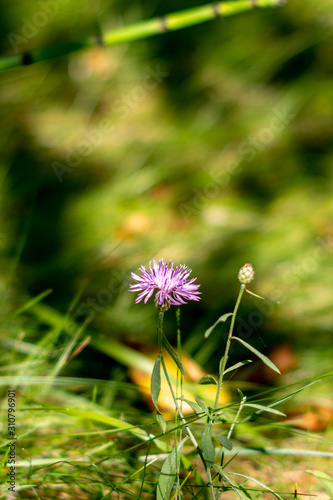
326 480
281 451
64 382
28 305
259 484
108 420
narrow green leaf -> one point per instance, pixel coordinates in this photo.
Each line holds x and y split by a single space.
257 482
232 483
240 393
254 294
172 353
110 421
196 408
209 331
282 452
155 383
161 421
207 446
263 358
225 442
28 305
222 319
266 408
207 379
202 405
291 395
221 363
325 479
24 380
237 365
33 302
178 493
169 472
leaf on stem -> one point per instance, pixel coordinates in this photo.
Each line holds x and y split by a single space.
266 408
207 379
237 365
241 394
161 421
208 449
259 483
202 405
254 294
263 358
234 486
221 363
224 441
172 353
195 407
155 383
169 472
221 319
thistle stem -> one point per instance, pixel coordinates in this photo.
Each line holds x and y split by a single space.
179 390
227 347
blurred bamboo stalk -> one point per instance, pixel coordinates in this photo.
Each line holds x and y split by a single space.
143 29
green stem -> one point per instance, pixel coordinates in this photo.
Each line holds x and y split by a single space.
235 421
188 430
227 347
222 369
143 29
179 391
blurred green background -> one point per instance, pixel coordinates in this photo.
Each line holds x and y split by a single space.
210 146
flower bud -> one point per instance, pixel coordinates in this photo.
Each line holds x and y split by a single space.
246 274
165 306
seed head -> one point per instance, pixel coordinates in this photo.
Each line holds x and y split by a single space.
246 274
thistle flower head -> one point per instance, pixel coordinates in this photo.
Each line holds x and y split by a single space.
173 288
246 274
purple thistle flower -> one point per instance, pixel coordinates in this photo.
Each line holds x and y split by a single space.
174 289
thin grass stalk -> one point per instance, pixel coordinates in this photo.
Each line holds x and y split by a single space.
144 29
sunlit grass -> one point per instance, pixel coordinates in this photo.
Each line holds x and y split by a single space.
88 438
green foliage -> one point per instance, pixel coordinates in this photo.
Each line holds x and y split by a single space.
207 380
326 479
263 358
207 445
224 441
237 365
168 472
208 145
155 385
173 354
222 318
